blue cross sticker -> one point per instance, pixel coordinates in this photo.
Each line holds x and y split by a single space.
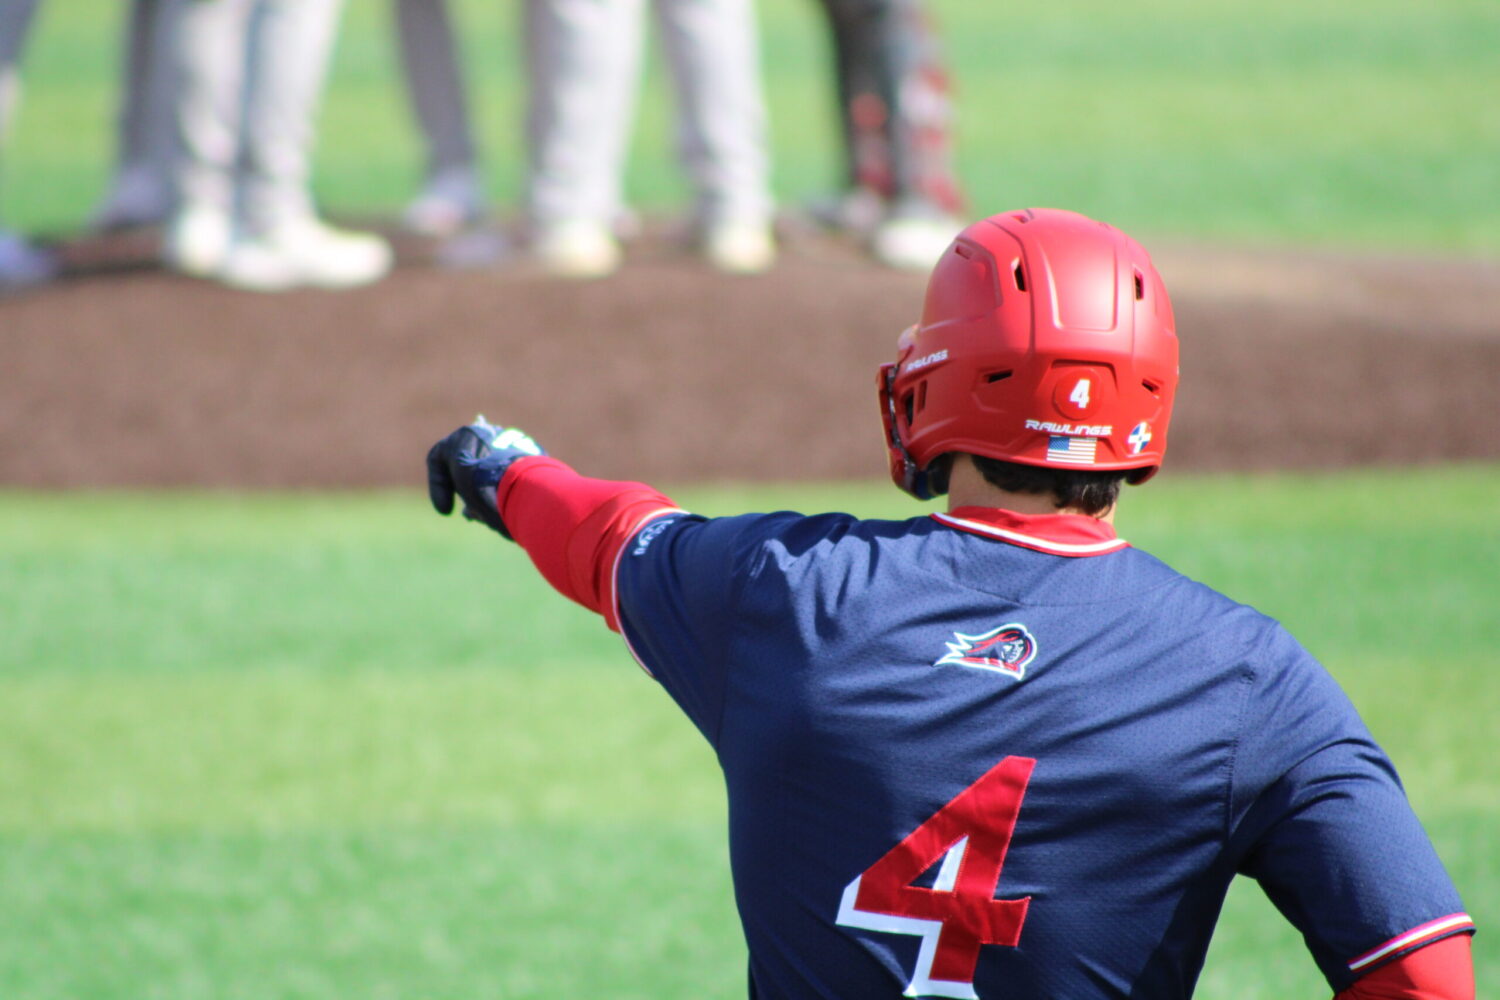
1139 437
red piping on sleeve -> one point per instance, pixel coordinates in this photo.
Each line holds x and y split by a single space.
1443 970
574 527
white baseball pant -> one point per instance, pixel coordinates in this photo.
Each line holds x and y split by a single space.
252 74
584 60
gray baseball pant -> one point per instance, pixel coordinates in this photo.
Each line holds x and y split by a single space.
147 130
430 60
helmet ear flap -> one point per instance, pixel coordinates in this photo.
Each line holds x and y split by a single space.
922 486
905 472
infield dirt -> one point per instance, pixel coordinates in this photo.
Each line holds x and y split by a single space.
121 375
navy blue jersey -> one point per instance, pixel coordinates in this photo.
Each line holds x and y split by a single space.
995 756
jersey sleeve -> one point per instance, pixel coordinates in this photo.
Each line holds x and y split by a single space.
680 585
667 580
1320 819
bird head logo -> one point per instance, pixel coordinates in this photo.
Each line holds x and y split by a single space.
1006 650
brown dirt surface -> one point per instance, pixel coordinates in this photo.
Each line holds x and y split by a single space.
121 375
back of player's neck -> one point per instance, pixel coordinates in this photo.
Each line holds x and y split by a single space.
967 488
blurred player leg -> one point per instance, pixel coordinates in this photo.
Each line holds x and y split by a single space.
926 207
452 195
210 54
864 93
583 61
15 23
141 192
289 51
285 243
20 263
897 119
712 46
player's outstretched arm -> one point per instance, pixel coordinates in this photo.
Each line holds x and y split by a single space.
571 526
1443 970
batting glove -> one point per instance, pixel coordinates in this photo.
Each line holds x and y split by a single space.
470 462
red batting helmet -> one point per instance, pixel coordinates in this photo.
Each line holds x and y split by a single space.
1046 339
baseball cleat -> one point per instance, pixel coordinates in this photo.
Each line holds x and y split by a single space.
857 211
577 249
306 252
913 243
197 241
449 204
740 247
139 197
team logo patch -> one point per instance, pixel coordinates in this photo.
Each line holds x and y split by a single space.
1005 650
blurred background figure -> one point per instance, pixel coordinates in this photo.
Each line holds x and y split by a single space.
141 190
584 71
452 195
251 75
901 192
21 264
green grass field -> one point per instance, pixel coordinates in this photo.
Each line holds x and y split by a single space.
333 746
1365 125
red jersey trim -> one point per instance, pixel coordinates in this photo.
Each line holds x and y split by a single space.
1442 927
1056 534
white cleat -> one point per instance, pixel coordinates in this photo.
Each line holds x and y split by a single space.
306 252
197 241
450 203
577 249
913 243
740 247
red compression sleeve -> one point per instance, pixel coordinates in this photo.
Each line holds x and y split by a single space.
573 527
1443 970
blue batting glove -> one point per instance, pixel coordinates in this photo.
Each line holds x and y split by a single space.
470 463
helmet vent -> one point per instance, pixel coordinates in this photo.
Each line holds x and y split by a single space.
1152 387
906 404
922 396
1020 276
994 377
1140 286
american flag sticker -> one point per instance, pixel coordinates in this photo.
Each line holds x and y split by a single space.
1077 450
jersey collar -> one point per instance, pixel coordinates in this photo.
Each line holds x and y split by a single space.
1057 534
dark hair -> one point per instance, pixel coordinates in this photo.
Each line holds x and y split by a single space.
1090 492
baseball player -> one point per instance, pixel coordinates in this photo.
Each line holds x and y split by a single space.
997 751
901 190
